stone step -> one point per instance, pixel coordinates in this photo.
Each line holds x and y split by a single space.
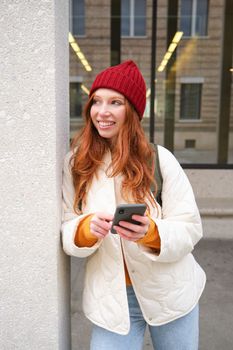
215 207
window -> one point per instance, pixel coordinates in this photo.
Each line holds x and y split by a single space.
75 100
78 17
133 17
190 143
190 101
194 17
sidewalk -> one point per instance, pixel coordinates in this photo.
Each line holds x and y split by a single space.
216 304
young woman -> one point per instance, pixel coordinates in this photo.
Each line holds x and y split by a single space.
145 274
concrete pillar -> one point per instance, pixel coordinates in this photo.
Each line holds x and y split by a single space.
34 124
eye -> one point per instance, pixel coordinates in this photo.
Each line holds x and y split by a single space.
95 101
117 102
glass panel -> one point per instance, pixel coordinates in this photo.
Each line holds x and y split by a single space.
75 100
140 17
230 150
190 101
186 17
187 90
78 11
201 19
125 17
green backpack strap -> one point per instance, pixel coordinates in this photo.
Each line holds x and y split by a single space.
158 176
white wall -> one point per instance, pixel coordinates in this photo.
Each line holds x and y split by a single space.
34 280
213 189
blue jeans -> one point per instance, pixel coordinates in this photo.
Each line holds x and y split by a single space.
181 334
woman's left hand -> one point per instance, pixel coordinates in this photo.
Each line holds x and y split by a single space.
132 232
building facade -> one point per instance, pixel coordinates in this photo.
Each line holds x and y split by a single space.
187 89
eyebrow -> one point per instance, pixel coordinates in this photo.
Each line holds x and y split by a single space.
112 97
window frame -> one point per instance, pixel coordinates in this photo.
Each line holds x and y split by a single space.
191 80
131 34
71 20
77 80
193 19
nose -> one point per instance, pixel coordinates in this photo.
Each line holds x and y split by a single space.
104 110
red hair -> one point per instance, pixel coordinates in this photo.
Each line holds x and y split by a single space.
132 157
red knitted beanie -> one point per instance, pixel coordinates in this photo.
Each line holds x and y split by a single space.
126 79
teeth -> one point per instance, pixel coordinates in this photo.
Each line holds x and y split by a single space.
104 124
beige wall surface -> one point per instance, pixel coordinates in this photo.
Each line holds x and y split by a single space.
34 283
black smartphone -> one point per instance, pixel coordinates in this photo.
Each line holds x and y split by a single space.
124 212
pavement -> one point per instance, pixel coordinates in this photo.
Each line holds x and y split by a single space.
216 303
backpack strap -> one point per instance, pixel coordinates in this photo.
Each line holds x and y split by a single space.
157 176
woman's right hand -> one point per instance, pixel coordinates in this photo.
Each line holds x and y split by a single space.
100 224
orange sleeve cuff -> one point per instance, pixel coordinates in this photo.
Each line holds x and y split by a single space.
83 236
151 239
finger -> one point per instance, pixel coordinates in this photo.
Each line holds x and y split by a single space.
127 234
98 229
129 238
96 233
101 223
142 219
104 216
132 227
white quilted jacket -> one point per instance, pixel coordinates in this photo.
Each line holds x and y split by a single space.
167 285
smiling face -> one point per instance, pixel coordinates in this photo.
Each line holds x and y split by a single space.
108 112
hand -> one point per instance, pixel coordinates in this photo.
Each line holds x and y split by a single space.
100 224
133 232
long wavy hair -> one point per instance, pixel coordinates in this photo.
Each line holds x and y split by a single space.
132 157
